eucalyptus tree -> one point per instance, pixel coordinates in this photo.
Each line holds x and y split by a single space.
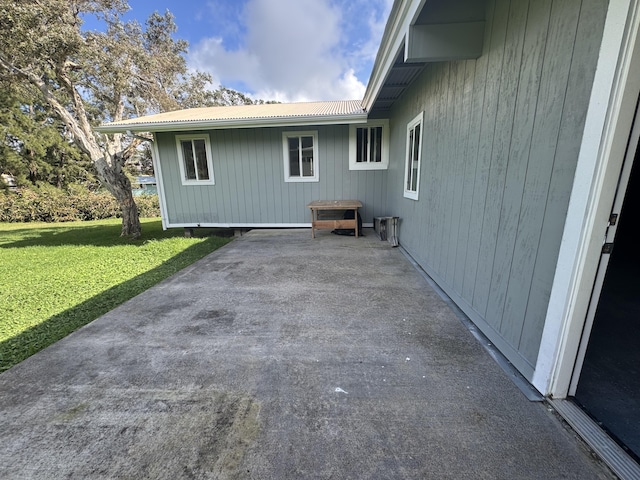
88 77
35 146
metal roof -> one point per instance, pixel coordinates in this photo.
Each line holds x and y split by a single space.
272 114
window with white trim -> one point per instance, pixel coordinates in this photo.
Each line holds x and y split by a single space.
413 156
195 159
369 146
300 156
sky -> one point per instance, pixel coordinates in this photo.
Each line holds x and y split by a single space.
283 50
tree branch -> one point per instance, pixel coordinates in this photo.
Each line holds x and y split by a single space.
84 138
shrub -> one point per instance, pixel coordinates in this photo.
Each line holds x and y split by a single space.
148 205
49 204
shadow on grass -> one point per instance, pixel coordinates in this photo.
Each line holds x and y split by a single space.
17 348
102 235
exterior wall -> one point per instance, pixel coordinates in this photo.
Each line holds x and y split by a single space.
500 145
249 180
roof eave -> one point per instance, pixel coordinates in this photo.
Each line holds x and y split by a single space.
402 14
186 125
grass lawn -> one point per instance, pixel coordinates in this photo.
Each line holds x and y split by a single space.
56 278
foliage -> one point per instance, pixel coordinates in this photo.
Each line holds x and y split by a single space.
58 277
45 203
228 96
34 145
89 77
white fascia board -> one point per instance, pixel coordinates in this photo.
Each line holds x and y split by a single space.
234 123
405 15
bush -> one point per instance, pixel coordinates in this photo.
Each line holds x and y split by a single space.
49 204
148 205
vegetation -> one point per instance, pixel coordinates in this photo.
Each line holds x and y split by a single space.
74 203
59 277
34 145
83 78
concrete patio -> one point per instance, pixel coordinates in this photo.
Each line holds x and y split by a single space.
281 357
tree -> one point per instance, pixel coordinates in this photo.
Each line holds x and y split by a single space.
87 78
35 146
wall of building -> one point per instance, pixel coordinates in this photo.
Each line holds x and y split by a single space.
249 180
500 146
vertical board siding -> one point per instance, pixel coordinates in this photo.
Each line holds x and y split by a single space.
493 164
504 203
501 141
249 185
468 146
591 18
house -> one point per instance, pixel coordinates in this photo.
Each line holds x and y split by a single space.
9 181
502 134
256 166
145 185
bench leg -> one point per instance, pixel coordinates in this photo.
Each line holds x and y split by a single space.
313 223
355 219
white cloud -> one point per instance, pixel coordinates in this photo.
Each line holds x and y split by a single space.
296 50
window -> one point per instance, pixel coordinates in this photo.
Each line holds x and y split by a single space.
368 146
413 155
300 156
194 157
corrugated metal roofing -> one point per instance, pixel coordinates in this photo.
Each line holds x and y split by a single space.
349 111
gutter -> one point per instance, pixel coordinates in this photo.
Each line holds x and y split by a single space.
186 125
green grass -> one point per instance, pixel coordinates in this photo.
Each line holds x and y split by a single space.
55 278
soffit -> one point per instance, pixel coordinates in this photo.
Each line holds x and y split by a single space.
433 28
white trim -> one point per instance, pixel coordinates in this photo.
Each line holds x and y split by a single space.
157 170
409 151
239 225
608 124
248 225
285 156
382 165
207 146
402 14
621 190
189 125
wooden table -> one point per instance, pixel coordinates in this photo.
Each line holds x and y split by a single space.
319 206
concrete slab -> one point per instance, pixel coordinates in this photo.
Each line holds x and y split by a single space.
280 357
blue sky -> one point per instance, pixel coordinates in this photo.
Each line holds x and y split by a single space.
285 50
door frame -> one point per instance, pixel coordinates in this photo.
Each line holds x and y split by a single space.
608 124
610 234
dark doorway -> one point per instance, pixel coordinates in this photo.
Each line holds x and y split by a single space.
609 384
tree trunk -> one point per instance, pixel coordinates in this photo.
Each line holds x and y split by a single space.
130 217
120 187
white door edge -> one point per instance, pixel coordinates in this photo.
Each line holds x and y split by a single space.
608 123
610 234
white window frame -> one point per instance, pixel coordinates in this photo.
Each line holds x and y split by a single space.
353 146
408 168
285 151
207 146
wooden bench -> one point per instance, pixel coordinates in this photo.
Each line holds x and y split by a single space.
319 209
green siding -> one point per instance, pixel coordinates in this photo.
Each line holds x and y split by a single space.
501 141
249 180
